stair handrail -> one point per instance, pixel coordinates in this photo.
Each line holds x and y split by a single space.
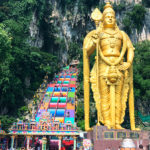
67 96
57 104
50 99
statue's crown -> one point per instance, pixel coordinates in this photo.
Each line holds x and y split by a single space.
108 9
108 5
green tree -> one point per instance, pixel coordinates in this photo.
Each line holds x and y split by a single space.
80 115
142 76
7 121
19 61
74 51
146 3
5 43
134 18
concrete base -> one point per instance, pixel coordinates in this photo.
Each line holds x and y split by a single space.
103 138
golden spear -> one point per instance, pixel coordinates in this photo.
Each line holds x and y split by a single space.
97 18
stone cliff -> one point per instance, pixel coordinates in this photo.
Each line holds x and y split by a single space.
73 22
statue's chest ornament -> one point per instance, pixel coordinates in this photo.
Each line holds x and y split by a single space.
111 38
112 41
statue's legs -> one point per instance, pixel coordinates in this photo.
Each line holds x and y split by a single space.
118 105
105 102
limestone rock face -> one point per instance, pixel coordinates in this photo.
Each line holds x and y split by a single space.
128 1
69 24
36 38
72 25
145 34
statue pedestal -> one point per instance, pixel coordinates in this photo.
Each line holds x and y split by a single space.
103 138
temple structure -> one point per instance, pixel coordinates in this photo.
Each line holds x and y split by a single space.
54 120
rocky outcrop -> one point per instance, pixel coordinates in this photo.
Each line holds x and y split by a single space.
36 38
145 33
127 1
72 25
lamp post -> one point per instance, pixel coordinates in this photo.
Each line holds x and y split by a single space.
75 142
28 142
60 138
12 142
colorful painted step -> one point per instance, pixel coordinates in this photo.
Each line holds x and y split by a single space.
60 112
56 89
62 76
69 119
68 76
72 85
54 99
60 119
72 82
37 119
53 105
64 94
73 79
65 85
62 100
70 113
71 94
59 82
52 111
57 94
66 82
52 85
49 93
67 79
64 89
49 89
70 106
61 105
61 79
73 76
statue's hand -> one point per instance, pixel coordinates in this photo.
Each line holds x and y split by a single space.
95 37
124 66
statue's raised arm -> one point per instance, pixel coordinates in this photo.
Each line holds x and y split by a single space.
111 77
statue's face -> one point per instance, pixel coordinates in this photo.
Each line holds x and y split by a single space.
109 20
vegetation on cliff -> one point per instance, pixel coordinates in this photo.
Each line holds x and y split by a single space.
134 19
22 67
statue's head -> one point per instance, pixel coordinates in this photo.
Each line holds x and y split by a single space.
109 19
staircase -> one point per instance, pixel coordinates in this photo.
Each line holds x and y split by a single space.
59 98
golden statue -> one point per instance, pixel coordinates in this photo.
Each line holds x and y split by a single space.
111 77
